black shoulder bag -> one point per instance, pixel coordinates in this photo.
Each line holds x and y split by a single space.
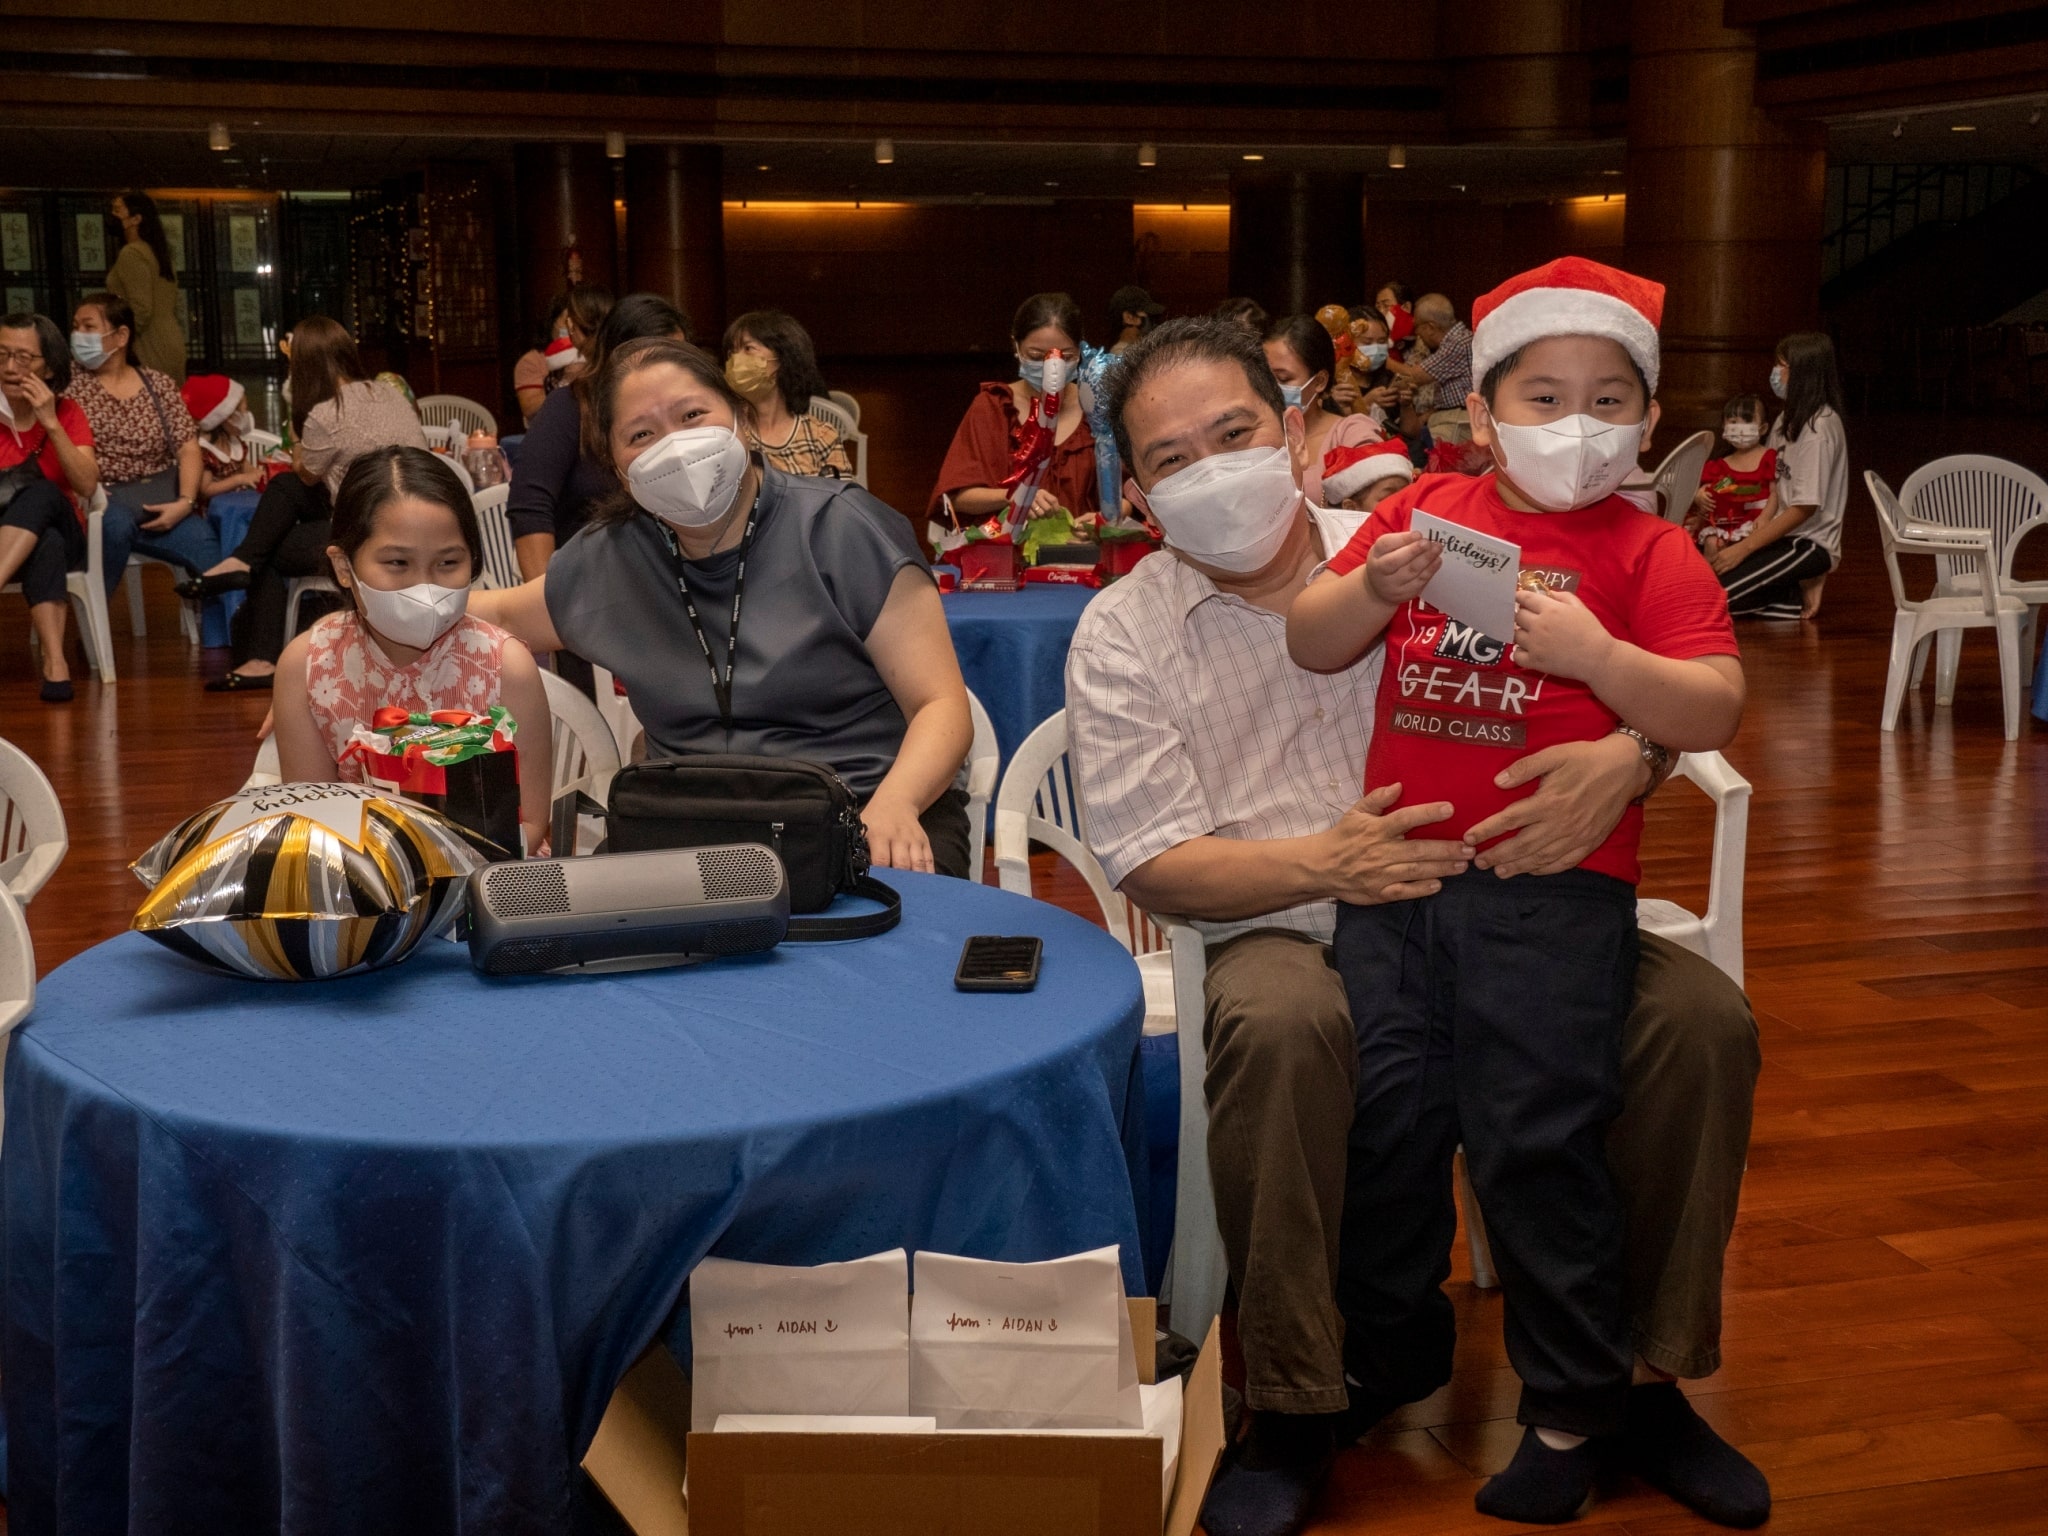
803 811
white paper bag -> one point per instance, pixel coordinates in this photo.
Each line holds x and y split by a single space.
1023 1346
815 1339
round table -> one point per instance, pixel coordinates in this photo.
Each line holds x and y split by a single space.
1013 652
370 1255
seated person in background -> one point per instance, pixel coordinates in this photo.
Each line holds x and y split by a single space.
1132 312
338 414
46 461
565 342
1303 359
1740 486
1491 1013
219 411
1222 784
1777 569
1446 373
557 479
1358 477
406 548
1392 302
770 363
989 436
1249 313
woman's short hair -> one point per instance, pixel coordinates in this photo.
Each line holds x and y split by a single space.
601 402
1397 288
796 361
1190 339
1043 309
143 206
55 349
116 315
1305 337
324 362
1249 313
636 317
384 475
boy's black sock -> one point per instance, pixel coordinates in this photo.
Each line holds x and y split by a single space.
1540 1486
1271 1481
1669 1446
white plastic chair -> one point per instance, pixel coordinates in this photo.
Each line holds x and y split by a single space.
984 758
828 409
846 403
261 444
33 838
501 560
17 975
617 711
585 758
1976 491
1717 935
88 593
1968 595
266 770
1037 801
1677 479
297 588
457 411
443 440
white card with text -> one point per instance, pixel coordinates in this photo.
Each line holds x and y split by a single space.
1476 582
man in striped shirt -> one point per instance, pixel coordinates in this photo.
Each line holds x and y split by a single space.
1222 785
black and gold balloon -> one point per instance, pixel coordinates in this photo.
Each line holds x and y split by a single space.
301 882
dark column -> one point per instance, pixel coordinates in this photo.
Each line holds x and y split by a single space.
1515 71
1297 238
675 230
1725 206
565 204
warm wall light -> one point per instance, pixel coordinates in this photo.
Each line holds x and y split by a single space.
1148 154
1214 209
217 138
885 151
1397 157
1962 127
614 145
777 205
1255 157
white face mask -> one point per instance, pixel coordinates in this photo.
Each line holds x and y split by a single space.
242 423
690 478
1741 434
1231 511
414 616
1569 463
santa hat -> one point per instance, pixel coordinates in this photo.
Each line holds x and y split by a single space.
1570 296
561 353
211 398
1350 468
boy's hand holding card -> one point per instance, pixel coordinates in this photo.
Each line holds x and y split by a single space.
1558 634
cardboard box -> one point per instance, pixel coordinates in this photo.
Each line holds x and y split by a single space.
974 1484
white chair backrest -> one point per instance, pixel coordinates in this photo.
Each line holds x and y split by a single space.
17 967
33 839
1729 790
461 472
984 757
261 444
1974 490
456 411
1039 801
501 561
828 409
265 771
846 403
585 756
440 439
1677 479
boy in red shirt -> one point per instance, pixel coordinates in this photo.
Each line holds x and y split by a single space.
1490 1013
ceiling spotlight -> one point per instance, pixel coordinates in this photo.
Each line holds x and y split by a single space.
217 138
1148 154
614 145
1899 129
1397 157
764 167
1962 127
1255 157
885 151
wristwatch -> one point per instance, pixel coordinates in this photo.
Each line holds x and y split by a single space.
1656 755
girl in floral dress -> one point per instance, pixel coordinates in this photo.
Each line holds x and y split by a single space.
406 546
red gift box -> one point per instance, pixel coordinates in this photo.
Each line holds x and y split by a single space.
1121 556
1062 576
988 565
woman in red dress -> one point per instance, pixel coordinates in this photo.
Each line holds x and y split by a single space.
983 452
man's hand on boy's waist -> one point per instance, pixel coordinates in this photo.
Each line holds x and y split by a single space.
1582 790
1368 857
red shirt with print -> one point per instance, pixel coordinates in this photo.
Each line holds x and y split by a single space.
33 442
1740 495
1454 709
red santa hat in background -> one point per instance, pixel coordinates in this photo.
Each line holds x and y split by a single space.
561 353
211 398
1570 296
1349 469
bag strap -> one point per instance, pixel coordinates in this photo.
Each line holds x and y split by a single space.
829 930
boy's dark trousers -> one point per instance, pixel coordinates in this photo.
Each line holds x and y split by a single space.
1490 1014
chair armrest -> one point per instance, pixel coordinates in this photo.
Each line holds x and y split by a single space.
1013 852
981 780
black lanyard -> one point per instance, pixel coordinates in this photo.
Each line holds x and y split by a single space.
721 688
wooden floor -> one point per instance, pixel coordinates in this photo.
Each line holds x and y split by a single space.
1887 1310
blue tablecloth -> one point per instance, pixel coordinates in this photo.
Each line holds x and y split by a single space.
230 514
370 1255
1013 651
